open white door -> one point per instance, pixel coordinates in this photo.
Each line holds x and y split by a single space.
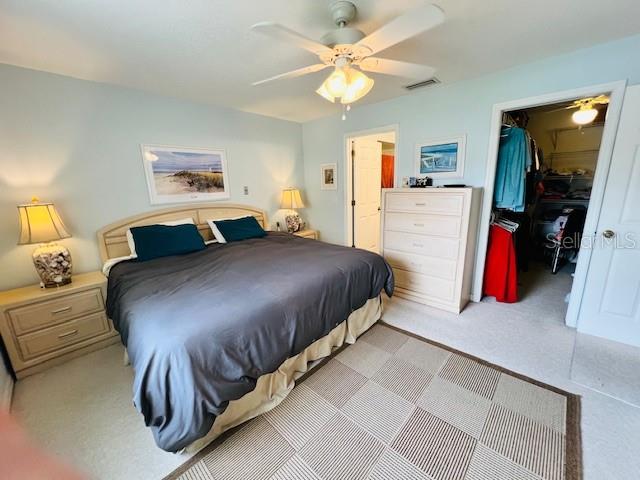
611 301
367 169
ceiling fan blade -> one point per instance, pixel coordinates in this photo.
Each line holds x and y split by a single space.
396 68
403 27
295 73
287 35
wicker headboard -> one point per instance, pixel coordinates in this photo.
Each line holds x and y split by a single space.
112 239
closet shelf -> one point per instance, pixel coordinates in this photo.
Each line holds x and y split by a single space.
571 178
566 201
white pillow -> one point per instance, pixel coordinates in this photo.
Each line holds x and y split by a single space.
109 264
172 223
216 231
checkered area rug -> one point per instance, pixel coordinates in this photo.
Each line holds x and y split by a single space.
392 406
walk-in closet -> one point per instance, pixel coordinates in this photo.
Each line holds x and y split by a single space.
547 159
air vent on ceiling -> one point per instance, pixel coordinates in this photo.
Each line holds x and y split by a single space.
425 83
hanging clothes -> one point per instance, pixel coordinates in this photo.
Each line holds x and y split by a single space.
514 159
388 162
501 268
522 238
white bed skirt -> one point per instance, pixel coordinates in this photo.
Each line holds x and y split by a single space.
274 387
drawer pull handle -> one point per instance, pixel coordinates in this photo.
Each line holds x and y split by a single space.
423 204
60 310
68 334
418 245
418 224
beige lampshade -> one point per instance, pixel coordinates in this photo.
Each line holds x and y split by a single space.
40 223
291 199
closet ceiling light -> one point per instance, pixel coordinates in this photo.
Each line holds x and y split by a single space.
584 115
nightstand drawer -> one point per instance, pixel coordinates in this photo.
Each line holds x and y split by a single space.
52 312
60 336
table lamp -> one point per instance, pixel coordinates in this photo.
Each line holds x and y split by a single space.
41 224
291 200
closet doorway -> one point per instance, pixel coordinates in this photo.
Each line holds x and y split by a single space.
545 182
370 166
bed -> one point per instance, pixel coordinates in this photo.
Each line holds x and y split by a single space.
218 336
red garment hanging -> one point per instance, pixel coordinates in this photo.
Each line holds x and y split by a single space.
387 171
501 269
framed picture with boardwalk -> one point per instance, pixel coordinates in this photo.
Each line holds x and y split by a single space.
441 157
179 175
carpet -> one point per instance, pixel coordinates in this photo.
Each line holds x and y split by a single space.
396 406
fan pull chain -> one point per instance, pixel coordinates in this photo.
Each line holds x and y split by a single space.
345 109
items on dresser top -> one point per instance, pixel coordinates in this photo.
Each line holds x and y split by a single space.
41 224
43 327
428 237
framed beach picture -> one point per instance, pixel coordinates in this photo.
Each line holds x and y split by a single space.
180 175
328 176
440 158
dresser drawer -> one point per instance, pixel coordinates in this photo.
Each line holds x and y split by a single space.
420 223
435 267
437 288
439 203
439 247
35 344
52 312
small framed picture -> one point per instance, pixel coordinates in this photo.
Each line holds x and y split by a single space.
328 176
441 157
179 174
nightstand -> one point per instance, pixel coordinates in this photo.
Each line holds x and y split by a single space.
44 327
308 233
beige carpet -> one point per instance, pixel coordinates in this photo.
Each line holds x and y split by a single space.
393 406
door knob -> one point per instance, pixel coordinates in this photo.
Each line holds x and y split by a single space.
608 234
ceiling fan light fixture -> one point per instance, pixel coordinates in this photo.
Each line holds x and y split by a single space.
337 83
359 86
347 84
324 93
585 115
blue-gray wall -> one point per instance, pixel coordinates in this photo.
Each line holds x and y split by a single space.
449 110
77 143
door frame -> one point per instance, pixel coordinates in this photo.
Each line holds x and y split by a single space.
616 92
348 138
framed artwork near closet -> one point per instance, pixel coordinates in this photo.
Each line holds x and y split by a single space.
441 157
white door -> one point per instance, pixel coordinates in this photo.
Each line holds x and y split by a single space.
367 163
611 302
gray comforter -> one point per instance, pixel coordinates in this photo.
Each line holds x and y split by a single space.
201 328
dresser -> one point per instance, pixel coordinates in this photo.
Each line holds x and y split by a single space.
428 238
43 327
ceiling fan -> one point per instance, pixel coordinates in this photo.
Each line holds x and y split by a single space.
346 48
586 112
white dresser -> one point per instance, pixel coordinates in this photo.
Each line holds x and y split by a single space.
428 237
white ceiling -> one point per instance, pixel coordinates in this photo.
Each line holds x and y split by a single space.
203 50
